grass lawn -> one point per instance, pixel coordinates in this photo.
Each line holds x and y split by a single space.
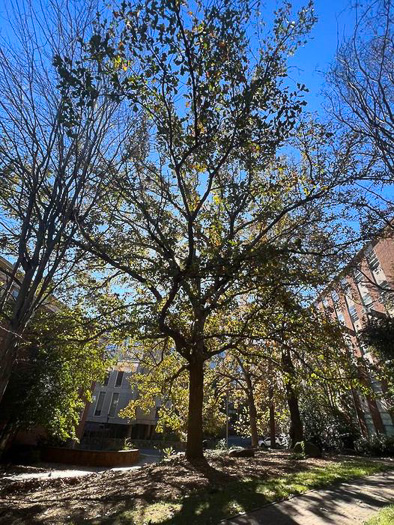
383 517
212 505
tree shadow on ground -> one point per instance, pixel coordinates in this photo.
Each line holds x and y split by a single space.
19 517
328 506
144 514
209 472
215 504
331 509
177 492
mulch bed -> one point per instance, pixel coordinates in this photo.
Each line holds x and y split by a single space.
105 493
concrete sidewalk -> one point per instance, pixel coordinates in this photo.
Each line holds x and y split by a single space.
60 470
348 503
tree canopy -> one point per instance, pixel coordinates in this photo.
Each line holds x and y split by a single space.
208 212
52 379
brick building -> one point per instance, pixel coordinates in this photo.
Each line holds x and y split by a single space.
365 289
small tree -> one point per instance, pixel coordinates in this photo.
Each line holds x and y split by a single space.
250 382
379 335
52 378
290 341
329 416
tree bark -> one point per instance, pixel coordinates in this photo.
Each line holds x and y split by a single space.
252 409
296 427
253 422
8 356
7 434
360 414
194 449
22 312
272 416
251 404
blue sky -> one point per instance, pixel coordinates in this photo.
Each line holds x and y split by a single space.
335 21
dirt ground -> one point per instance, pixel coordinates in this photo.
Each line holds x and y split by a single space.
102 494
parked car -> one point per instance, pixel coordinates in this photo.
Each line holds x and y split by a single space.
281 441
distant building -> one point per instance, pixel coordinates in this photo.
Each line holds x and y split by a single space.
365 289
102 420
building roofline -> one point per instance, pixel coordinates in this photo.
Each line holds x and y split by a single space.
4 262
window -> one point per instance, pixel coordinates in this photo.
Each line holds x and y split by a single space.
340 316
373 261
100 404
114 404
119 378
367 299
335 296
353 313
358 276
106 380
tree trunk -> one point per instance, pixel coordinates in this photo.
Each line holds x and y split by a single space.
252 410
5 373
7 434
22 312
8 356
296 426
251 404
360 414
253 422
272 416
194 449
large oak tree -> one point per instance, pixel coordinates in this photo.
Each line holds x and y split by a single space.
205 213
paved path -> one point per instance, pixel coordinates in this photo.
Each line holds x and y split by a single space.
345 504
58 470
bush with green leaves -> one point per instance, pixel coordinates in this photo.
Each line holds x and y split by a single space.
379 336
128 445
52 381
221 444
378 445
331 428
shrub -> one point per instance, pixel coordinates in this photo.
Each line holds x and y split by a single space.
221 444
306 449
378 445
168 452
128 445
330 429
